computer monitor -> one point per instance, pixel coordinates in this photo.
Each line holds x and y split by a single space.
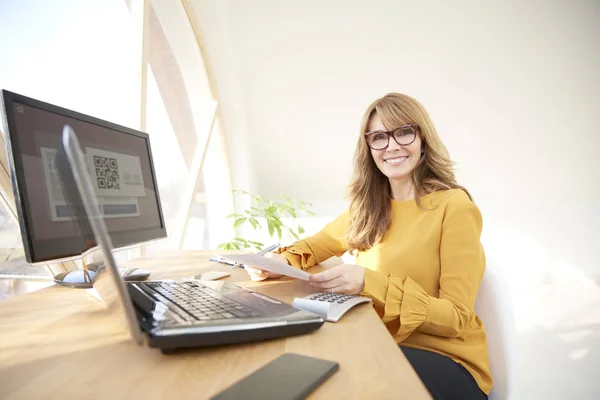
119 159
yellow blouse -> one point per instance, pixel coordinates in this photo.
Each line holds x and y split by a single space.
423 277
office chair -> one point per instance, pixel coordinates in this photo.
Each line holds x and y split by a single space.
493 305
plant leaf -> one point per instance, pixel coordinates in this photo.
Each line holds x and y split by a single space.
234 215
271 210
254 222
289 209
239 222
228 246
308 212
271 226
301 229
276 221
256 243
294 234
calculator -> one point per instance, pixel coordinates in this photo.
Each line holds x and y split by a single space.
331 306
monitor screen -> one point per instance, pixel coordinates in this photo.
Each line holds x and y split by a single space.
119 160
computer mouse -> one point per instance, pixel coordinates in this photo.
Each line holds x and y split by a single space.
134 274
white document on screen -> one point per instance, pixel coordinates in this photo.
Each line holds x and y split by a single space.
268 264
112 206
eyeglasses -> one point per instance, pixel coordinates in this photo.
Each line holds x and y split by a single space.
404 136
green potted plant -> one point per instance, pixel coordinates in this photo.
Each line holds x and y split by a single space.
279 216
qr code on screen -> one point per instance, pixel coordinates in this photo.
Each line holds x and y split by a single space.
107 173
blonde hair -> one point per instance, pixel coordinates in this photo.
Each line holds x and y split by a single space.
370 192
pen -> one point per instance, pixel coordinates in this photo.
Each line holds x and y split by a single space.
222 261
268 249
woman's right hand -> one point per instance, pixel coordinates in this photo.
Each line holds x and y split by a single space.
257 274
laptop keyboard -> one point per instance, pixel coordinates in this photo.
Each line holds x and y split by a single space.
200 302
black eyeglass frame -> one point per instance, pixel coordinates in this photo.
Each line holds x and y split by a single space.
414 127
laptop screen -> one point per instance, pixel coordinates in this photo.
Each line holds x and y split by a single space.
80 190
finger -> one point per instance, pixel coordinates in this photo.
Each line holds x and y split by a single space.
340 289
257 272
262 274
326 275
253 270
258 275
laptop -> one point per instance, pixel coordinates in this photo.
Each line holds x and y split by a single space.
172 315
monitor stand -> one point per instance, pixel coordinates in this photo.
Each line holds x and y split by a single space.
79 279
84 278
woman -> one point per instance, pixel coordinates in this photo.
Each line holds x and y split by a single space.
416 234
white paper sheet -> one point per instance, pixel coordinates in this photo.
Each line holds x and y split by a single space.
268 264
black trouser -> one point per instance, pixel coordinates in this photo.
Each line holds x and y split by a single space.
444 378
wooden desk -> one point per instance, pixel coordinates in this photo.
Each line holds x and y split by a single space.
60 343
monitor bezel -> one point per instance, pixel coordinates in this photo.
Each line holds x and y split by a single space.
65 248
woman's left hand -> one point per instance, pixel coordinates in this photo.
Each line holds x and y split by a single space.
345 278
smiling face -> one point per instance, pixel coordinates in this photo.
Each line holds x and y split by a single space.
396 162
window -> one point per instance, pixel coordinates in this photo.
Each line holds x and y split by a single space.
89 57
182 121
78 55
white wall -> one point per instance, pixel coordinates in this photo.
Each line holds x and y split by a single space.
513 89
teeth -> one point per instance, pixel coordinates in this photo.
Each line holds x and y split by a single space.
395 161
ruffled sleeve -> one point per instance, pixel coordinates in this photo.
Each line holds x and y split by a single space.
330 241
